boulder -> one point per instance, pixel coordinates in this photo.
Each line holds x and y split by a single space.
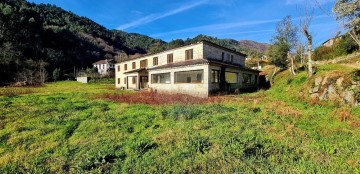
332 94
339 82
325 81
349 97
318 81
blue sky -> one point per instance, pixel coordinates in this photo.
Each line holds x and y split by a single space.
170 19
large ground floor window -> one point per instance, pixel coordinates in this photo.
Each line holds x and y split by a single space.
231 77
215 76
246 78
160 78
195 76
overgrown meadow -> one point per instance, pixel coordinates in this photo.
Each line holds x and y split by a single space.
68 127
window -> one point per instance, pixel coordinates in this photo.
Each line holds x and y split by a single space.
215 76
170 58
155 61
125 67
189 54
160 78
222 56
232 59
118 80
133 80
231 77
103 66
118 67
246 78
195 76
133 65
143 63
125 81
228 57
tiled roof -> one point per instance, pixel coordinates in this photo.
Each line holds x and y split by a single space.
183 63
138 56
135 70
104 61
200 61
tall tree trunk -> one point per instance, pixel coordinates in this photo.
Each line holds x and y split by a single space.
272 76
309 44
355 37
292 65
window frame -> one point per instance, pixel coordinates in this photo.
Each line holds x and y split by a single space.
189 54
133 65
215 79
249 81
118 68
142 63
133 80
236 74
125 67
118 81
157 75
202 77
155 61
170 58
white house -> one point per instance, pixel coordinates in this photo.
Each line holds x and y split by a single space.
104 66
198 69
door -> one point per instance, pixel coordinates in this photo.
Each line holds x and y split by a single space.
143 82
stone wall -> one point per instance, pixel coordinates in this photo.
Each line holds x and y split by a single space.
336 88
82 79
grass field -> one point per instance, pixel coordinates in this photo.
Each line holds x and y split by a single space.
68 127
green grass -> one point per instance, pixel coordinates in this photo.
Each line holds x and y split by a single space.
61 128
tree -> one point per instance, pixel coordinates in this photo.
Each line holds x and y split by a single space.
348 13
305 24
56 74
283 42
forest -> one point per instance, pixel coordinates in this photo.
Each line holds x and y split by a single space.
37 39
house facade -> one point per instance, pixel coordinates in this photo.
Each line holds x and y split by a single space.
197 69
104 66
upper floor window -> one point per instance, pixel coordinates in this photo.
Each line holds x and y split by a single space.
118 68
143 63
189 54
155 61
222 56
125 67
134 65
232 58
170 58
118 80
228 57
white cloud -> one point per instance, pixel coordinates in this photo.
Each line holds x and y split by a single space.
154 17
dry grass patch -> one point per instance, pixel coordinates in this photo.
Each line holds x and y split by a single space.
283 109
155 98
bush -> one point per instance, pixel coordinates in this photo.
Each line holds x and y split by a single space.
341 47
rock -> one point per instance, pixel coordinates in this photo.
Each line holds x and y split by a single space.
349 97
324 95
314 96
339 82
332 94
315 89
325 81
318 81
